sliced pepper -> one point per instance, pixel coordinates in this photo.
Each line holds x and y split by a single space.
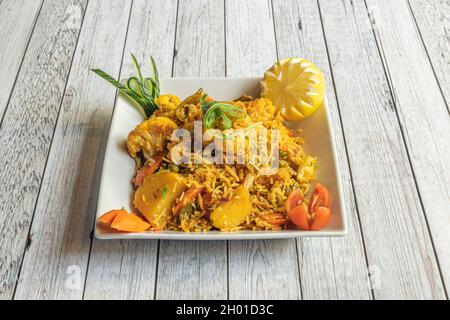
186 198
148 169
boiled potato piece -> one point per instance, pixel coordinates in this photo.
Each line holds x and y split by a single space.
155 197
233 212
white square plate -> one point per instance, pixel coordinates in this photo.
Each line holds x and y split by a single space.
118 167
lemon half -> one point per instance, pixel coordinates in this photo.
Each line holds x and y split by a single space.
296 86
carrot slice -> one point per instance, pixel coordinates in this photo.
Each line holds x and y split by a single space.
148 169
129 222
322 216
188 197
109 217
276 218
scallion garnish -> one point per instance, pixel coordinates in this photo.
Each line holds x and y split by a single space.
164 191
214 110
143 91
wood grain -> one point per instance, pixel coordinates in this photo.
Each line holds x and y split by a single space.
390 113
423 116
433 20
17 20
266 268
127 269
54 265
196 270
395 232
27 129
329 268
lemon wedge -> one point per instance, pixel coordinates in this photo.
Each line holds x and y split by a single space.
296 86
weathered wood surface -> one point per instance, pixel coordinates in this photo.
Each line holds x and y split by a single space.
27 129
390 117
433 21
395 231
64 214
17 20
423 116
329 268
132 264
189 269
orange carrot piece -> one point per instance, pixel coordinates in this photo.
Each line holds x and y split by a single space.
109 217
129 222
276 218
148 169
188 197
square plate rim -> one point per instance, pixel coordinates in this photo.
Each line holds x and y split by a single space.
218 235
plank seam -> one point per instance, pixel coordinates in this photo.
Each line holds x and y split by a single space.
345 146
296 240
50 146
274 28
158 248
175 41
387 73
114 106
297 244
172 73
21 63
411 11
225 38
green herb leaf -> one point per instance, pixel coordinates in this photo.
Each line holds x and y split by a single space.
143 91
214 110
164 191
155 73
136 67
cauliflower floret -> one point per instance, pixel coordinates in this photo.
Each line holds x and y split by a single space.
261 109
167 102
150 137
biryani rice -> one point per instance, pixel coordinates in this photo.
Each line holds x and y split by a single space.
268 193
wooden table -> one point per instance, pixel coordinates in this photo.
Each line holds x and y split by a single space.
387 65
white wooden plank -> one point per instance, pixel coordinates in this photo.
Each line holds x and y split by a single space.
17 19
433 21
54 265
192 270
423 116
27 128
127 269
196 270
398 244
269 268
329 268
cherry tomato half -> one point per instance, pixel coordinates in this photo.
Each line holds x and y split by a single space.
320 198
293 200
299 216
